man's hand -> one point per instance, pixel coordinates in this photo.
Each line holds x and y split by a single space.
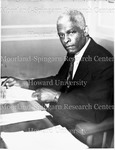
46 95
11 81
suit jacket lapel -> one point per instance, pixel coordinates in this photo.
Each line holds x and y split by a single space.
82 69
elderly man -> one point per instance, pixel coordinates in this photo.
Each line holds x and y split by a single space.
83 88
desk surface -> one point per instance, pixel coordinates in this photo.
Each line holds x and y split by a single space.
23 116
27 126
32 123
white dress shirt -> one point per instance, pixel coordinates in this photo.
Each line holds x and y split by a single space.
78 57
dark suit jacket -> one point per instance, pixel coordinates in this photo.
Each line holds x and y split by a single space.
83 103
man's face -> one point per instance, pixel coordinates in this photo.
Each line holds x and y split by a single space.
71 36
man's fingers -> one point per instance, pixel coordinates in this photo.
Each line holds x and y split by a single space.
36 94
8 82
11 83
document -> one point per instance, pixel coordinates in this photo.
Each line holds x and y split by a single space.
11 118
54 138
15 93
19 106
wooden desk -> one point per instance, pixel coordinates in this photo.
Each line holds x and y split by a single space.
32 123
27 126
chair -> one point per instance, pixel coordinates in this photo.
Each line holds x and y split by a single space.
96 135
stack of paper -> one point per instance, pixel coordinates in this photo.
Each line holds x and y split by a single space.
55 138
19 106
17 94
22 116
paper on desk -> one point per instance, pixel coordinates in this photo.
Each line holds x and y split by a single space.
22 116
55 138
17 94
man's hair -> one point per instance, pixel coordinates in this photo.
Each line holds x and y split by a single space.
75 17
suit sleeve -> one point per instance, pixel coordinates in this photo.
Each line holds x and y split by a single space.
92 103
51 81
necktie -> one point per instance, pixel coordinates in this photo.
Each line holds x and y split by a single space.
70 72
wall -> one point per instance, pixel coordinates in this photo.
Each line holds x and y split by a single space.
30 45
101 23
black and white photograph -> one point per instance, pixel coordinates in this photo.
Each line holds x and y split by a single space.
57 74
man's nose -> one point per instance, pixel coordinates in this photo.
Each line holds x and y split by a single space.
66 39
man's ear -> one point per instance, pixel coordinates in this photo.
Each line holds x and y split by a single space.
86 31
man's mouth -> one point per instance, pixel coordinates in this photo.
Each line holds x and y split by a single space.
70 47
